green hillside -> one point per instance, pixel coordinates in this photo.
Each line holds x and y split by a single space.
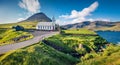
38 54
64 49
78 31
26 25
110 56
9 36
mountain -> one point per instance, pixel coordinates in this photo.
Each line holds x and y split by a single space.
29 23
39 17
95 25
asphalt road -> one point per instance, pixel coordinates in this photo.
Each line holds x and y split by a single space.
38 36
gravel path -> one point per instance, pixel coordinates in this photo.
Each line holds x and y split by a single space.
38 36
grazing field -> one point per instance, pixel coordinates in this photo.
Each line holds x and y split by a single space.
26 25
65 49
9 36
78 31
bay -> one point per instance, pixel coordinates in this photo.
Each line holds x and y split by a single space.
110 36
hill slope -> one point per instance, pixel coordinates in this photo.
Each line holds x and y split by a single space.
38 54
12 36
61 50
96 25
26 25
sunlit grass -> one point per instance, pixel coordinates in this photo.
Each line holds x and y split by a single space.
70 43
42 54
7 36
26 25
78 31
111 56
38 54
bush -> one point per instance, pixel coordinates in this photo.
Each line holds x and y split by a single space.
18 28
100 41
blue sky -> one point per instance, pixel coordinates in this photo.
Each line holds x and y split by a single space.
13 10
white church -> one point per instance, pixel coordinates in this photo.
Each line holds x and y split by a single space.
46 25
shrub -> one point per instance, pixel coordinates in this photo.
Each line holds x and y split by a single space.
18 28
100 41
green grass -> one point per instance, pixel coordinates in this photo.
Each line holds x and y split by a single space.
111 56
42 54
26 25
7 36
78 31
38 54
70 43
2 31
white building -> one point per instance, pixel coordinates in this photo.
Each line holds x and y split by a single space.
46 25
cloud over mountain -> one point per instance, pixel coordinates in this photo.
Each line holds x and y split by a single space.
32 6
20 19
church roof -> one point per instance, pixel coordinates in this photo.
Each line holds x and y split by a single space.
46 23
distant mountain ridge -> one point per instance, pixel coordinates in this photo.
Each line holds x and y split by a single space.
39 17
95 25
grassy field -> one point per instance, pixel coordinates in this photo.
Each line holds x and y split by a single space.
110 56
2 31
38 54
9 36
82 44
93 50
78 31
26 25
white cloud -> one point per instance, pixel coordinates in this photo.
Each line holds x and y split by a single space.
20 19
80 16
98 19
102 19
32 6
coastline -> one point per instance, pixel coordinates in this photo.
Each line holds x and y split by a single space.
110 36
108 30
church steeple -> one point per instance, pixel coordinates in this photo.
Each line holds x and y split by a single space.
53 19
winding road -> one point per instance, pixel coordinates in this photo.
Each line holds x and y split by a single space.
38 36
